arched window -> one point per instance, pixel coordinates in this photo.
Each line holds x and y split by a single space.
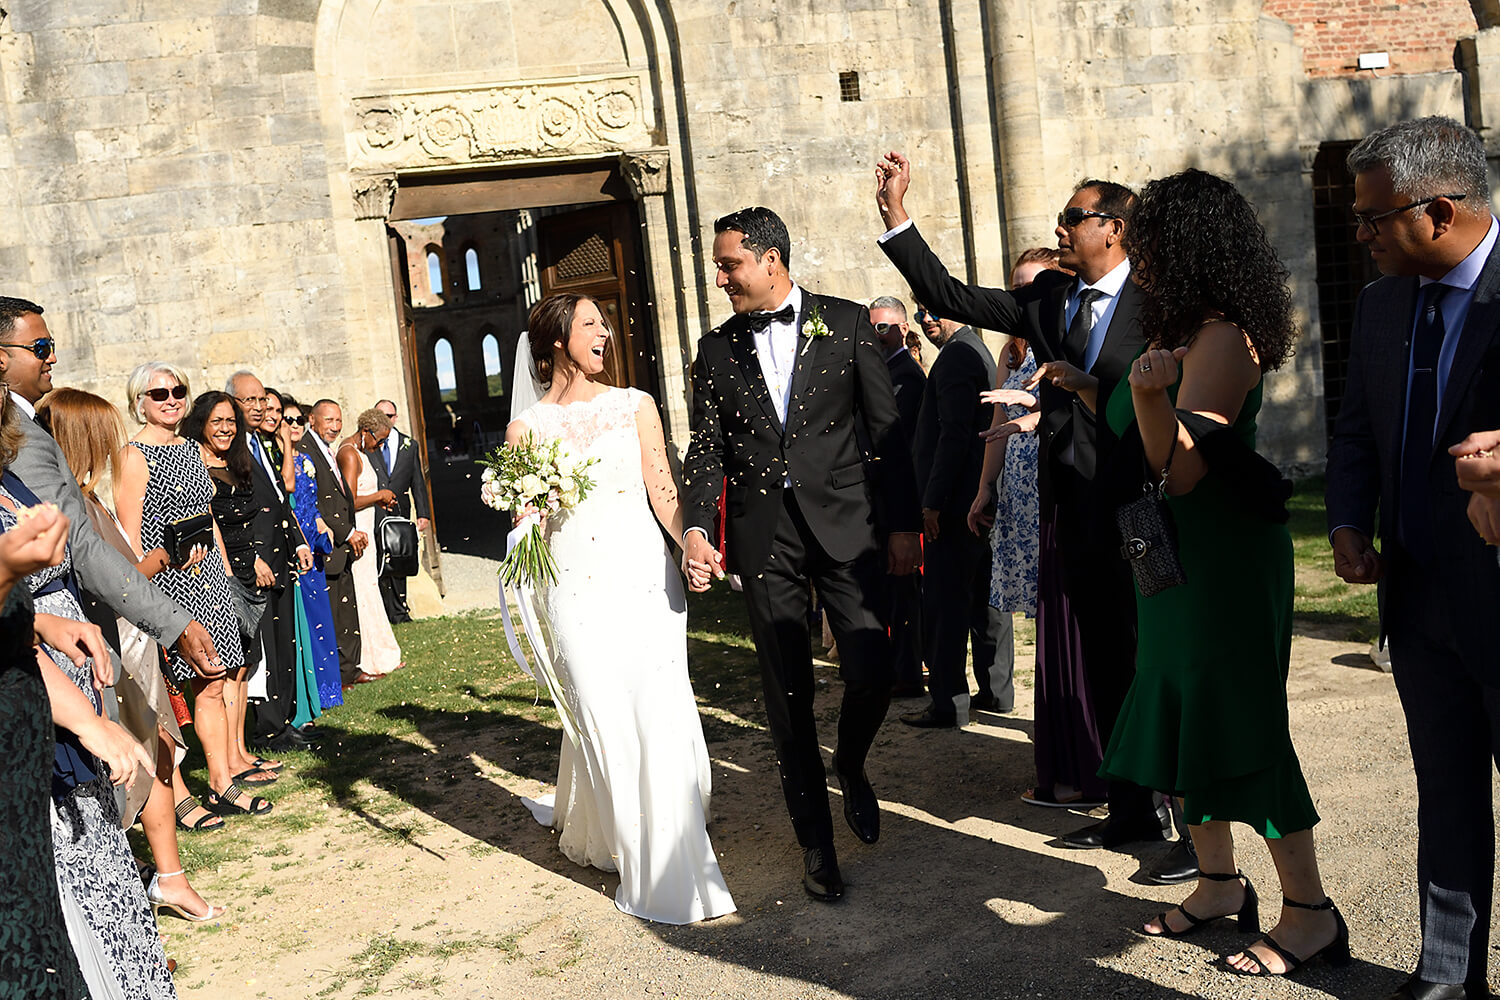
494 375
447 377
435 272
471 265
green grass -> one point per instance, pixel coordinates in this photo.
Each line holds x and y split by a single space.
1325 604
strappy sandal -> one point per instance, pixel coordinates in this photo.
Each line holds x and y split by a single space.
1335 952
208 821
261 764
227 802
1247 919
248 776
159 902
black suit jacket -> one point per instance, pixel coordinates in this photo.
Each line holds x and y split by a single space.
275 529
405 478
947 451
908 379
335 506
840 380
1364 455
1036 313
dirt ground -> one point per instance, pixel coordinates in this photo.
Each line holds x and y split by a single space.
967 894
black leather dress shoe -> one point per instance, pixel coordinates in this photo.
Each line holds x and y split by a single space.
820 876
928 719
1112 833
986 702
1416 989
1180 864
861 808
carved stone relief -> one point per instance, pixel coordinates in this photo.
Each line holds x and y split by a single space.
645 171
539 119
373 196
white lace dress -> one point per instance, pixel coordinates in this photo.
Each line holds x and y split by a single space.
634 797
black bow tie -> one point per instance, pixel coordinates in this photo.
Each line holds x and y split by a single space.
760 320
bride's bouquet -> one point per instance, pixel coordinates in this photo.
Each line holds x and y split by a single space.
544 475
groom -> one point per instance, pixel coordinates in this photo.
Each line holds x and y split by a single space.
782 393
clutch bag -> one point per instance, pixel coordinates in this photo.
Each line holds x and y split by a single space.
179 536
1148 537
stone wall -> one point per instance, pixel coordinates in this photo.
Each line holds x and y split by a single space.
1418 35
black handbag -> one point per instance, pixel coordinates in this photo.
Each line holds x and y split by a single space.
178 537
1148 536
397 542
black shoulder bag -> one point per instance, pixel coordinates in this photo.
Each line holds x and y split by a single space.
1148 536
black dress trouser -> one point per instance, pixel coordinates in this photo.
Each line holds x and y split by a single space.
780 605
278 638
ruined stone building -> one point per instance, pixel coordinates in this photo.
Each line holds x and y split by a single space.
361 198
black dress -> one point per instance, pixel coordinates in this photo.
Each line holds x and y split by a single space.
36 960
234 510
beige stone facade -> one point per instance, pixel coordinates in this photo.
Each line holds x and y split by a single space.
211 181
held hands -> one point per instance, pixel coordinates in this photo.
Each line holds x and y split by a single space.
386 499
982 510
1354 558
1156 369
903 553
263 575
1478 465
892 178
1065 376
79 642
701 562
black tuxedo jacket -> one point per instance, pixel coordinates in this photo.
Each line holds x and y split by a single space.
947 451
1036 313
275 529
1364 456
908 379
839 381
405 478
335 506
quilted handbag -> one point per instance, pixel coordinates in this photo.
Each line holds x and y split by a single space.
1148 536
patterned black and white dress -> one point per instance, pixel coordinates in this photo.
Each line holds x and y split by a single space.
179 486
103 901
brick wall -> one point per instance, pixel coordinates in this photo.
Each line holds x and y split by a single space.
1419 35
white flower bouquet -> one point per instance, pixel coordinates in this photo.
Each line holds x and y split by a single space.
543 475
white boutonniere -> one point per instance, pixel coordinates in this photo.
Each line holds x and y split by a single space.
814 327
307 467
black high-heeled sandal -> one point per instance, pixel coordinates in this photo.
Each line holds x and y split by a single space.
1335 952
1247 919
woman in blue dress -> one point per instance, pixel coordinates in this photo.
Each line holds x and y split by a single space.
315 634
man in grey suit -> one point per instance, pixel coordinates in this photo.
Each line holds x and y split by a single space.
1423 366
398 468
102 572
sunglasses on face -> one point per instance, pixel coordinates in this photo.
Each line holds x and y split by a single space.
1071 217
884 328
297 421
42 349
923 315
161 393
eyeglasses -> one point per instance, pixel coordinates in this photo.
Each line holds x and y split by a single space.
297 421
883 328
160 393
42 348
1070 217
252 400
1372 222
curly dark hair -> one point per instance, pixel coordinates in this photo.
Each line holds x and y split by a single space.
1198 251
194 427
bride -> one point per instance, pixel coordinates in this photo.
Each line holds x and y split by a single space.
633 796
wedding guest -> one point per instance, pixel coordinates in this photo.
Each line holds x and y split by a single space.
948 453
104 906
1085 331
1423 385
90 431
336 506
380 654
281 548
276 437
320 639
160 478
888 314
399 469
1206 715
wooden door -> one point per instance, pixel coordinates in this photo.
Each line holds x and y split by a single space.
416 420
593 252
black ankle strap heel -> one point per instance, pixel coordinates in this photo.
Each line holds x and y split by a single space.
1247 919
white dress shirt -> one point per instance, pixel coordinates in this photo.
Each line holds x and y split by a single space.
23 404
776 350
260 454
392 443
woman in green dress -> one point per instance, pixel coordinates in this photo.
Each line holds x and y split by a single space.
1206 716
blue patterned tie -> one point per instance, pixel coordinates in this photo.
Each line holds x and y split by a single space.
1413 510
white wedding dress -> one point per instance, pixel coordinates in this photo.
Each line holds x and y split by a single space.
634 796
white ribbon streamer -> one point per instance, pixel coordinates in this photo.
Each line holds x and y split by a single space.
534 627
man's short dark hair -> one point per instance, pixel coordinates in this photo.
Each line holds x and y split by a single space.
322 401
1114 199
12 309
763 230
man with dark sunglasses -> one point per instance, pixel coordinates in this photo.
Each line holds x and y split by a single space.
108 580
1086 332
